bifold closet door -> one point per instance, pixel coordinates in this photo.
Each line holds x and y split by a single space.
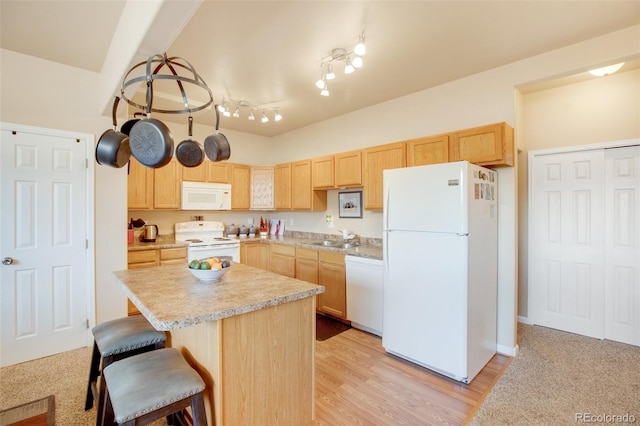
622 249
567 241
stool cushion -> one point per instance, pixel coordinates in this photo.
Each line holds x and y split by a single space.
125 334
143 383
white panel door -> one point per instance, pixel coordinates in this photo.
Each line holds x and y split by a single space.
43 292
567 242
622 259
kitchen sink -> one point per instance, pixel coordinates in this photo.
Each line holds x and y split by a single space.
334 244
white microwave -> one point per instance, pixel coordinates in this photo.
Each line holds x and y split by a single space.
205 196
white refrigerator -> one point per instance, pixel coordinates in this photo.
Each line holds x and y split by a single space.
440 266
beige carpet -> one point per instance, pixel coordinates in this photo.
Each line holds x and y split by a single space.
64 376
560 378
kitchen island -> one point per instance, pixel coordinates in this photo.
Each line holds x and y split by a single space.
250 336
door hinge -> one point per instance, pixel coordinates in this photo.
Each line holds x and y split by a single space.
86 163
88 325
86 244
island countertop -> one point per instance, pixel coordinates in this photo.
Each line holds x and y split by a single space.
170 297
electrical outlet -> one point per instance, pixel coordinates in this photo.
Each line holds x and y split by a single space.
250 221
290 221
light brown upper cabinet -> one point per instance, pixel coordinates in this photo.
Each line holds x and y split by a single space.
431 150
262 188
283 186
322 172
139 186
303 197
166 186
348 169
374 161
490 145
240 186
218 172
208 171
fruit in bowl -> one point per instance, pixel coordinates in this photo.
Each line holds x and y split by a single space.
209 269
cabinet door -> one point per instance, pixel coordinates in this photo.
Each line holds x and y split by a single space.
334 299
375 160
301 185
430 150
322 172
348 169
282 185
490 145
303 197
166 186
139 186
307 265
307 270
218 172
173 256
282 260
255 254
262 187
240 186
195 174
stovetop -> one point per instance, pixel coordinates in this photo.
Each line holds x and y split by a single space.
202 233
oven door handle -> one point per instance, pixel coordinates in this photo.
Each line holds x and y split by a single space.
214 247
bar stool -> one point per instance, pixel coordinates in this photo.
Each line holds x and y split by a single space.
113 341
146 387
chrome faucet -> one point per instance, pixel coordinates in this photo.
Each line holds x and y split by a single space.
346 235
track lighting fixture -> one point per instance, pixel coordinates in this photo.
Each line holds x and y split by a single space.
352 59
226 106
600 72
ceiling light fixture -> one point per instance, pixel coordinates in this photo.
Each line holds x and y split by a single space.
227 105
352 59
600 72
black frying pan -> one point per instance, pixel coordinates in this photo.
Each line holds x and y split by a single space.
150 140
189 152
112 148
217 146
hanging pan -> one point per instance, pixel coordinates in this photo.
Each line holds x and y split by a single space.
189 152
217 146
150 140
128 125
112 148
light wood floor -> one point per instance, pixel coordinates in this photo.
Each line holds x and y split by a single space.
358 383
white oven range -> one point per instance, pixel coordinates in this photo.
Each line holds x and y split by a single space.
206 239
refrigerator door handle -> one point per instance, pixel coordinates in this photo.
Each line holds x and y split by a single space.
387 206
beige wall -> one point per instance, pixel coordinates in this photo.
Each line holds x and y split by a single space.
600 110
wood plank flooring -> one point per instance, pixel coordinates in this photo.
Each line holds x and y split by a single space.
358 383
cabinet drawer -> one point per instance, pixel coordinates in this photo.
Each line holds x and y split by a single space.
141 256
331 257
173 253
283 250
304 253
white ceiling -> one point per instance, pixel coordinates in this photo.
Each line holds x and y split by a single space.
268 53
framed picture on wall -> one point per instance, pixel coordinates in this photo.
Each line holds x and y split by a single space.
350 204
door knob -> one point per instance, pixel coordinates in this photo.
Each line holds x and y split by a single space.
7 261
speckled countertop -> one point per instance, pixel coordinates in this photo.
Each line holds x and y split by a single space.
369 247
171 297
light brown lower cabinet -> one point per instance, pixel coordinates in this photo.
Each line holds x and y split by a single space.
137 259
307 265
332 275
283 260
255 254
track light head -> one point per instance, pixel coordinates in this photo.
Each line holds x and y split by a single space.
264 118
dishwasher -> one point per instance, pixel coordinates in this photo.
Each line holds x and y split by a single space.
364 293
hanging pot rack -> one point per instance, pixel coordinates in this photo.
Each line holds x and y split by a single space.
158 62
